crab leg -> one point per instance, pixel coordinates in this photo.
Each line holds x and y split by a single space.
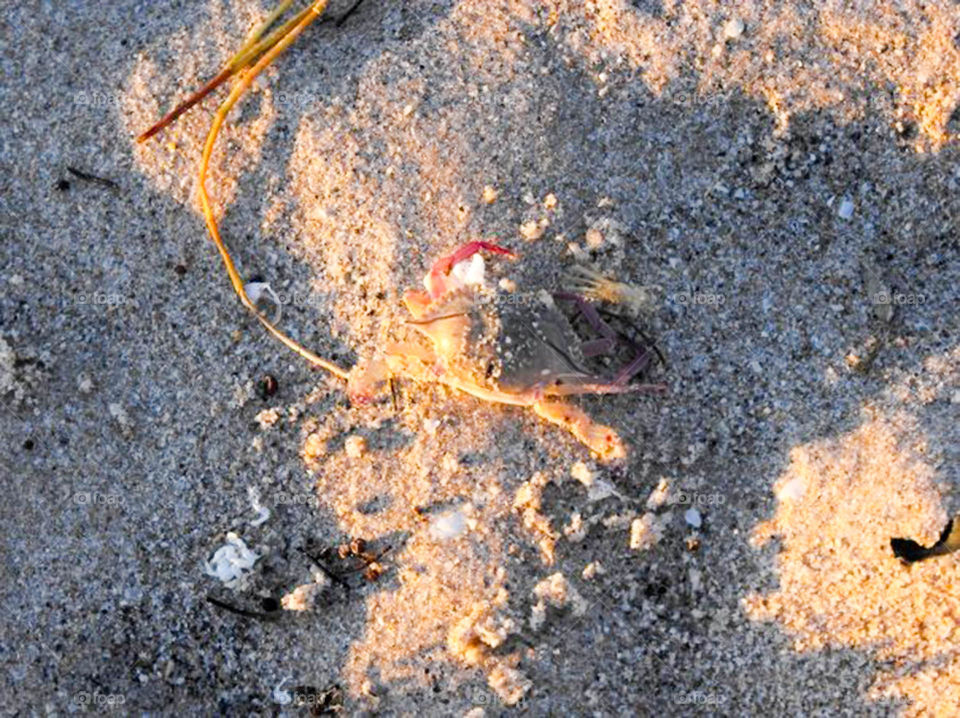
634 367
613 387
602 346
589 312
599 438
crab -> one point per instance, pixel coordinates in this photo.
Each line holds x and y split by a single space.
507 349
480 340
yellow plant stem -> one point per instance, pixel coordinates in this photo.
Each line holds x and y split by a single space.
281 39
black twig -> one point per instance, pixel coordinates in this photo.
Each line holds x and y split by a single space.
343 18
87 177
242 611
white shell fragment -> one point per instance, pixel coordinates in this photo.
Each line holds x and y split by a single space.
658 497
555 591
733 29
582 473
257 290
846 209
303 597
231 562
355 446
600 490
646 531
693 518
792 490
509 684
448 525
262 512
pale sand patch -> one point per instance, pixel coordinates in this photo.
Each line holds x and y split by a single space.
172 158
794 56
840 502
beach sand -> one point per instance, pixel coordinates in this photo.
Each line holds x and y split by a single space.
783 174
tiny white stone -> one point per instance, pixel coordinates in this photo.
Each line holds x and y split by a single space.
582 473
532 230
263 513
594 238
600 490
692 517
592 570
846 209
355 446
658 496
733 28
448 525
792 490
267 417
84 383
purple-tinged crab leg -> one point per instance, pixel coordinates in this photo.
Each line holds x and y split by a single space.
605 387
597 347
639 363
605 345
589 312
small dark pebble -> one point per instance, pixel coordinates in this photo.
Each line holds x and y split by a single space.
270 604
268 386
63 185
28 444
180 269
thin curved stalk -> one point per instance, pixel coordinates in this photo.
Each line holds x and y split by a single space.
282 39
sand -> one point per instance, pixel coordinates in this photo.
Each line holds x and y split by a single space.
782 175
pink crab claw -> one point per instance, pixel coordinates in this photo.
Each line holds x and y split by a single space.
441 268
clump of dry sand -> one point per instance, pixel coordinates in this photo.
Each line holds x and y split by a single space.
840 502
